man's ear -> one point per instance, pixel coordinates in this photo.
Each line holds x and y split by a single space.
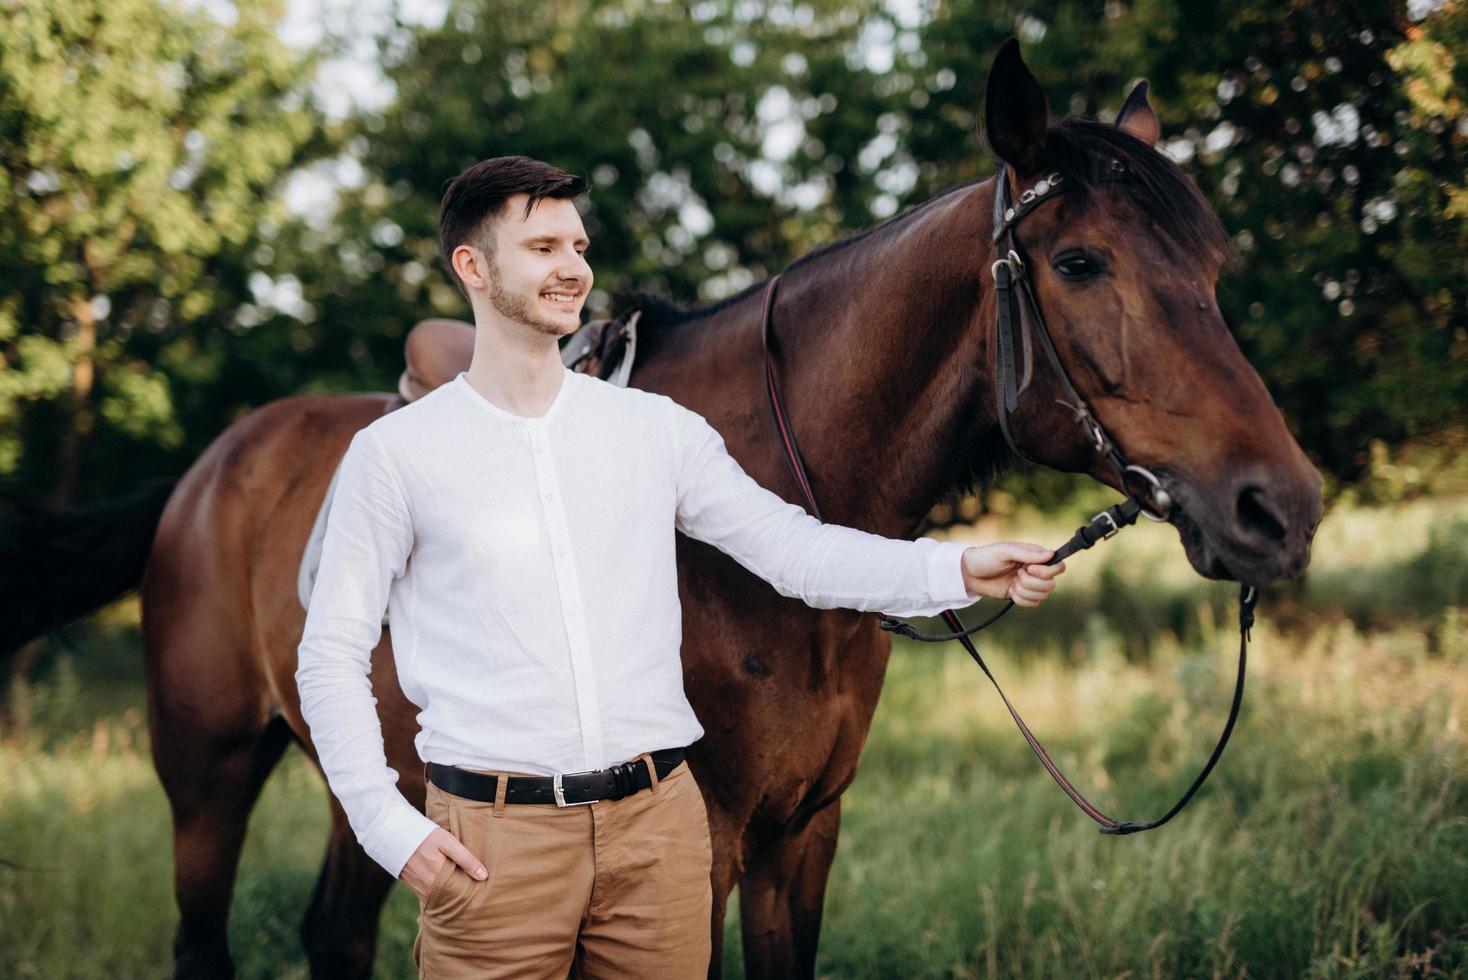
471 266
1137 117
1015 113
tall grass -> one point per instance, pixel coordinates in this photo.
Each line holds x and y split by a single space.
1331 842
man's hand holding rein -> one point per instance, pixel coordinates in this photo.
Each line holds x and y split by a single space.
1011 570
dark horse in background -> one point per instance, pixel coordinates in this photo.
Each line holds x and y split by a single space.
887 358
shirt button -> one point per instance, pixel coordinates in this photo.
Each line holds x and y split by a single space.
561 551
540 447
550 495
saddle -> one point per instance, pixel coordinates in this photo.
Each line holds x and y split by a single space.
437 350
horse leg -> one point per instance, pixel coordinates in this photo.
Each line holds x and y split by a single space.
339 930
212 783
724 875
716 950
781 895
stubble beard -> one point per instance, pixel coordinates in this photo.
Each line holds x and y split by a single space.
516 307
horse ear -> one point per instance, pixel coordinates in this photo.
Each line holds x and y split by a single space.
1015 113
1136 116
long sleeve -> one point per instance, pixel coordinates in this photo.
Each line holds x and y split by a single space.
369 535
827 566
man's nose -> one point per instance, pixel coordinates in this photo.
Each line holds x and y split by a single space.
574 268
579 272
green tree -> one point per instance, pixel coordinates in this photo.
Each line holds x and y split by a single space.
142 141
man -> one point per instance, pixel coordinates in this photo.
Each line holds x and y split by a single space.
517 523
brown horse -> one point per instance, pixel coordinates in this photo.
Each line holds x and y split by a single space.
886 354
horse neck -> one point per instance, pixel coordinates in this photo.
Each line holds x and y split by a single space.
880 357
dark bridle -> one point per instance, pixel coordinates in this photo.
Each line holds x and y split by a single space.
1018 319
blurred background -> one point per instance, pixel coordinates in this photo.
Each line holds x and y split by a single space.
211 205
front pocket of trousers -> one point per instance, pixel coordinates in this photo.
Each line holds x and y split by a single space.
675 827
697 820
468 821
443 809
445 872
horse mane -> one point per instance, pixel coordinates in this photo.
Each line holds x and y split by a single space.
1080 149
662 311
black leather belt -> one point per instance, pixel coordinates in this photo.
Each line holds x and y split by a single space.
562 789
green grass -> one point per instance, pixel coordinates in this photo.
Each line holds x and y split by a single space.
1332 841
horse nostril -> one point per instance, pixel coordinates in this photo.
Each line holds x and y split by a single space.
1258 516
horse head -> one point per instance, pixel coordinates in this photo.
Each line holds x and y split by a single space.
1123 267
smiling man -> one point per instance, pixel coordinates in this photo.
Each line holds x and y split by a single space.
517 524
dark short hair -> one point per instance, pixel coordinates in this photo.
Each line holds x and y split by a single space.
474 198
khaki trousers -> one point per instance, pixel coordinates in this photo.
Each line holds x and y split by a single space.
616 888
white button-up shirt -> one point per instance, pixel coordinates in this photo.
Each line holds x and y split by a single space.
528 570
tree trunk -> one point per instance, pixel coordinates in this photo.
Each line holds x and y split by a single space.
83 374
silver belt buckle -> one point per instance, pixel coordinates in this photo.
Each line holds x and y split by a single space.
561 796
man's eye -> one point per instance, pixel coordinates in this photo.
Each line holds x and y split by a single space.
1077 266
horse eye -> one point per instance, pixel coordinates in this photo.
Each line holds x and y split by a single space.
1077 266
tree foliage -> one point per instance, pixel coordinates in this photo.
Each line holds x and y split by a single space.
722 139
141 140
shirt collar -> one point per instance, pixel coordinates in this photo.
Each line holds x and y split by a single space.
567 382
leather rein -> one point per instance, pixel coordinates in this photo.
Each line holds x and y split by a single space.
1018 324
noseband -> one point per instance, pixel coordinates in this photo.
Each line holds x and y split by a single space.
1017 322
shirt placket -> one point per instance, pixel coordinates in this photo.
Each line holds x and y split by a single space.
573 613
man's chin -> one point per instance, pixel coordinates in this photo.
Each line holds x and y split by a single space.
562 320
558 326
